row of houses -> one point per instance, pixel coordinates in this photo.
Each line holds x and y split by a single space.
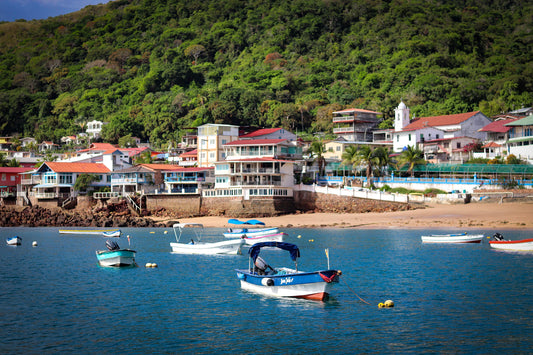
233 161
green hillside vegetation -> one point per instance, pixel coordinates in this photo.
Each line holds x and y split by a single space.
151 68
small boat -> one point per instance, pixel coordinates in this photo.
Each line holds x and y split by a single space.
277 237
112 234
195 246
16 240
102 232
452 238
285 282
248 232
115 256
518 245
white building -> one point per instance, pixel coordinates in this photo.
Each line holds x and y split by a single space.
94 128
412 133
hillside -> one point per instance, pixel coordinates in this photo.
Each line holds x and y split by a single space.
153 68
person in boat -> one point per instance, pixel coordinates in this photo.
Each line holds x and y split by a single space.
261 266
230 230
191 242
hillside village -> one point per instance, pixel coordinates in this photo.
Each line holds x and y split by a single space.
247 163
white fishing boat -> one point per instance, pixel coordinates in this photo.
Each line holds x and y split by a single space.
101 232
114 256
16 240
452 238
285 282
248 232
194 245
277 237
517 245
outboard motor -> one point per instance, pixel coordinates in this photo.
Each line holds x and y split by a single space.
498 236
111 245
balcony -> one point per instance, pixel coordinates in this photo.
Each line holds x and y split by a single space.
343 130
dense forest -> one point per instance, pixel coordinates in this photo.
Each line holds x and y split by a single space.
152 68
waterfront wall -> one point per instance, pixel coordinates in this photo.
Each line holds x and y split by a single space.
183 205
237 207
321 202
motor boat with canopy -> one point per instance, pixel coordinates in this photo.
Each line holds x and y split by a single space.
283 281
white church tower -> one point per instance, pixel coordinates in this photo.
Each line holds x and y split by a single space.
401 117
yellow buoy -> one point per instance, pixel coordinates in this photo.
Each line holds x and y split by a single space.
152 232
165 232
299 236
311 240
381 305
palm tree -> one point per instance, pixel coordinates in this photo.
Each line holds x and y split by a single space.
348 156
382 158
317 150
412 156
364 155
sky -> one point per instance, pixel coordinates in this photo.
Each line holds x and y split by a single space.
11 10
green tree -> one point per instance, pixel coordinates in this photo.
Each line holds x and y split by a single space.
316 152
84 181
412 157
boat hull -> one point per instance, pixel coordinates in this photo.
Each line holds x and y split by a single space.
227 247
518 245
116 258
278 237
307 285
452 238
14 241
111 232
252 232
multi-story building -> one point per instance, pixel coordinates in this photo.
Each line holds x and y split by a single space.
355 124
211 140
520 141
256 167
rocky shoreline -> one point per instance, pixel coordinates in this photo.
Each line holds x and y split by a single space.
41 217
118 215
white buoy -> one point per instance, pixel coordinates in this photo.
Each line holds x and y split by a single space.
148 265
34 243
165 232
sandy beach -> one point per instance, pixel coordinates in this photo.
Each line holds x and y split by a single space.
491 216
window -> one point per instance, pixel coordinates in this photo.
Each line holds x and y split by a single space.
409 137
338 149
458 144
3 177
397 138
436 136
212 155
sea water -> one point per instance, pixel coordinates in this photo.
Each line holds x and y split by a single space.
449 298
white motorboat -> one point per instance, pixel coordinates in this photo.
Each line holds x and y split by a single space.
195 246
452 238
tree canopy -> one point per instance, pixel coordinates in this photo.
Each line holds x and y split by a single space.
152 68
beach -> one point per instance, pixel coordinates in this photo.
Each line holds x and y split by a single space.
494 216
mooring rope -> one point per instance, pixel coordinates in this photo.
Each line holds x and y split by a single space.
355 293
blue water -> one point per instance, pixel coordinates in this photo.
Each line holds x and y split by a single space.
448 298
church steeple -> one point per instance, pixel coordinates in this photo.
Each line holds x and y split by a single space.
401 117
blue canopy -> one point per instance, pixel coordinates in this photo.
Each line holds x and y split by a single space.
250 221
291 248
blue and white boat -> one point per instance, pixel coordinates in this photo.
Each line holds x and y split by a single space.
285 282
112 233
248 232
16 240
115 256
